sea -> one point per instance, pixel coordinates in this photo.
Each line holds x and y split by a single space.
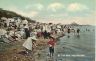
73 47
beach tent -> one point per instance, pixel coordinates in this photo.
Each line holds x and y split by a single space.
25 22
2 36
4 18
11 19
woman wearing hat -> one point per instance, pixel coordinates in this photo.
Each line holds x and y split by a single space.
29 43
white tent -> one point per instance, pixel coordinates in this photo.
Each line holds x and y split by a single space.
11 19
4 18
24 22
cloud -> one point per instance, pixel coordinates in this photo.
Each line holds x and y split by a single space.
93 13
60 15
76 7
27 14
37 6
33 13
55 6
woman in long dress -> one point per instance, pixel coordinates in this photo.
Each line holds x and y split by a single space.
28 44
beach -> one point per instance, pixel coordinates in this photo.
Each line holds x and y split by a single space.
73 48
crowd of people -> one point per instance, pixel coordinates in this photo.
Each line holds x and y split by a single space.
12 30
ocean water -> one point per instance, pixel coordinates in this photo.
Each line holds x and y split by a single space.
77 48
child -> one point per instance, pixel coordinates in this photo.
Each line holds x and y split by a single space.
51 44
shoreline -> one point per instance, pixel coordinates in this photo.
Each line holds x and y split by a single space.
15 48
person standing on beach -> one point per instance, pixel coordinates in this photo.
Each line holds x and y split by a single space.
45 34
27 32
51 44
29 44
68 31
78 31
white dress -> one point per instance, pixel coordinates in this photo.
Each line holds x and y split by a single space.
28 44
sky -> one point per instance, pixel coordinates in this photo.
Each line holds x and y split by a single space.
55 11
